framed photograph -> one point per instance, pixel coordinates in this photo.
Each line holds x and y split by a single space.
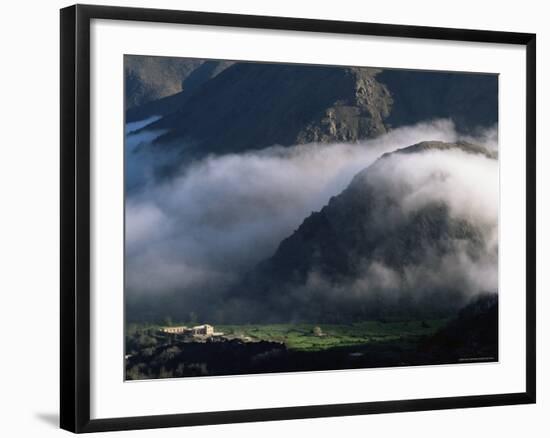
268 218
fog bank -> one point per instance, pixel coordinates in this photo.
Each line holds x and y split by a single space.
194 235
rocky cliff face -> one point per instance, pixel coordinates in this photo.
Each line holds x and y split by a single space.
361 115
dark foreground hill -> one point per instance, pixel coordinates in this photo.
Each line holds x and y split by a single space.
471 336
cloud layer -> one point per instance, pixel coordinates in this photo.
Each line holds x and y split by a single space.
194 235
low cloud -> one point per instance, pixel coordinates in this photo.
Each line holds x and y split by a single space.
193 236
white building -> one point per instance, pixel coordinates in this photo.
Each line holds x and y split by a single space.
177 330
204 329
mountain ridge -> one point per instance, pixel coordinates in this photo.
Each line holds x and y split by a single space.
312 103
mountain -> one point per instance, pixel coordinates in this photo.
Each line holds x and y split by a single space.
187 77
254 105
230 107
365 255
147 78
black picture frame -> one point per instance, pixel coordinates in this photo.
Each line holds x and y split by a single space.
75 217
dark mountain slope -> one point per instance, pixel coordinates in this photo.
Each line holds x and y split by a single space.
470 100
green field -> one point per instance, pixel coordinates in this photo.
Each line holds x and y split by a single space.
306 337
302 336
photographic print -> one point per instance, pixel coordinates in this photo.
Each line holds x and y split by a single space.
293 217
